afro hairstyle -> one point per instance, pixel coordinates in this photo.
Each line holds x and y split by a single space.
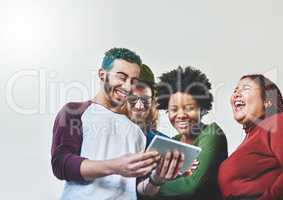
185 80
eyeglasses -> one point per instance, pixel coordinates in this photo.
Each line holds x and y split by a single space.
133 99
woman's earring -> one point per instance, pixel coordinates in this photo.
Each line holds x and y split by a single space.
267 104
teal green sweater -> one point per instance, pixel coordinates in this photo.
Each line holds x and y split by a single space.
202 184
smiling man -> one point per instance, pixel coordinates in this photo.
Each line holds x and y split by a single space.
142 105
95 148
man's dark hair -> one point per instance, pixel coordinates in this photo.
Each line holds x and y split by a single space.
119 53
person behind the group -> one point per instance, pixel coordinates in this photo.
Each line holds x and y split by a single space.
255 169
185 94
141 108
142 105
99 151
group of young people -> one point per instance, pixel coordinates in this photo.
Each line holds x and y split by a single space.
98 146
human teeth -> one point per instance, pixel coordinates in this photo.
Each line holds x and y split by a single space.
183 123
239 103
121 93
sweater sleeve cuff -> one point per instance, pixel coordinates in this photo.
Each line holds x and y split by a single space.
73 168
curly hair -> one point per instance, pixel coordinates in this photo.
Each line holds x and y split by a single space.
188 80
119 53
269 91
153 115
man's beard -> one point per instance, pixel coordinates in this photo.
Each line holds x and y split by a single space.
108 90
138 119
143 121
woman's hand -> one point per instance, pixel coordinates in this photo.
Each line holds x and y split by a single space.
192 168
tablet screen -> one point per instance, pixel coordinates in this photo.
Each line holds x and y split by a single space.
163 145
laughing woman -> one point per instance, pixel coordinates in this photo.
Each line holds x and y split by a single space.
185 93
255 169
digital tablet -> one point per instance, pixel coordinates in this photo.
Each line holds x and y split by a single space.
163 145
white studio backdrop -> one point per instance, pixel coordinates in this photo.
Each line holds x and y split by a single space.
50 52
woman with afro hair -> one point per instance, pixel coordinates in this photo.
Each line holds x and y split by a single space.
185 94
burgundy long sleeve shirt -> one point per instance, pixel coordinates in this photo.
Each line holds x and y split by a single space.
256 167
67 140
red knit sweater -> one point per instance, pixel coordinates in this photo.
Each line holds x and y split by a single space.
256 167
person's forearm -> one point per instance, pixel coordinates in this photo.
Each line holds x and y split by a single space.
275 191
91 169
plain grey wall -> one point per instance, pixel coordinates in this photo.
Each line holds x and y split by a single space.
51 46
